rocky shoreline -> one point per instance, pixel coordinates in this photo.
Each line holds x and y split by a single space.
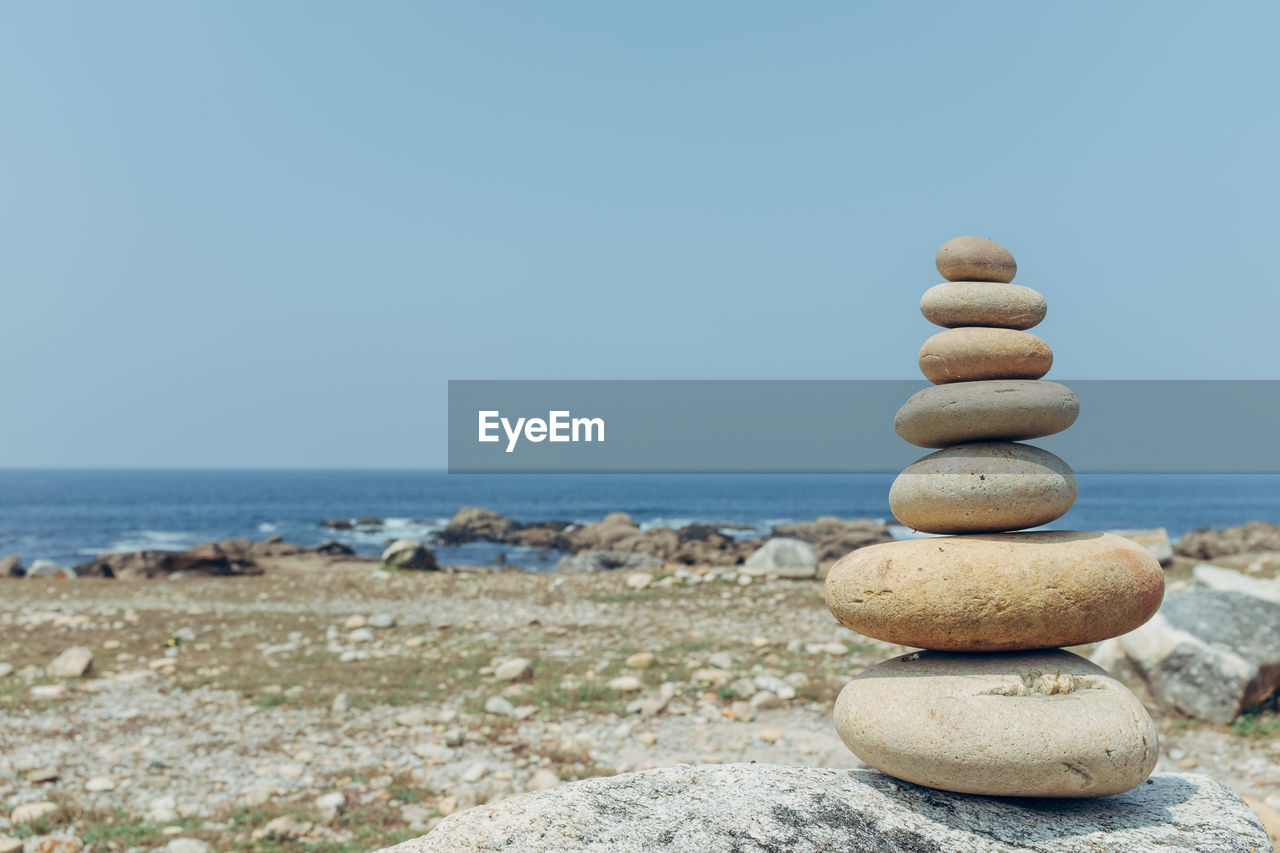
613 543
324 703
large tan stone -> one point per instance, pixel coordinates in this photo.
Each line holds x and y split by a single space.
1015 724
983 488
997 591
975 259
982 303
973 353
986 410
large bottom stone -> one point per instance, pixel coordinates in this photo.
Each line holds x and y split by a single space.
1013 724
752 808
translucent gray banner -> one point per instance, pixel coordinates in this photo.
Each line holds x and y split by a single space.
836 426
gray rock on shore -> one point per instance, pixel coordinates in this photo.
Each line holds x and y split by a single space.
409 554
1206 653
786 558
601 561
758 807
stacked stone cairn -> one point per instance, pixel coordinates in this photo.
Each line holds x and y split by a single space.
993 705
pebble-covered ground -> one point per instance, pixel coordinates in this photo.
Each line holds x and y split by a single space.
335 707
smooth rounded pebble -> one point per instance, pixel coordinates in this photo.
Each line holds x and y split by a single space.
983 488
982 303
1014 724
996 591
974 353
986 410
975 259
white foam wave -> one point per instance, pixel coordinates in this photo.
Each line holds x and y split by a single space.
266 527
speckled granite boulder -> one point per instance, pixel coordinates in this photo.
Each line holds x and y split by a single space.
753 808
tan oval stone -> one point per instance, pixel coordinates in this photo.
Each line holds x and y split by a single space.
982 303
1020 724
975 259
983 488
975 353
986 410
996 591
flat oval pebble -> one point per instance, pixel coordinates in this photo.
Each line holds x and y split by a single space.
982 303
1019 724
975 259
986 410
996 591
974 353
983 488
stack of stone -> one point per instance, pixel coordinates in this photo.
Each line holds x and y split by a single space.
993 706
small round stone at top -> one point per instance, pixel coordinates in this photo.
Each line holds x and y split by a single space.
975 259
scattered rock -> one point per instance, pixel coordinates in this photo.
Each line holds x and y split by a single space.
806 810
48 691
163 809
50 569
30 812
331 804
499 705
6 669
354 622
543 780
1206 653
360 635
188 845
409 554
9 844
62 842
283 828
1215 577
74 662
382 621
626 684
334 548
601 561
834 537
639 580
640 660
515 669
475 773
100 783
787 558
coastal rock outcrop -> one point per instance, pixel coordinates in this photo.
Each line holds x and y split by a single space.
760 807
1206 653
1206 543
834 537
11 567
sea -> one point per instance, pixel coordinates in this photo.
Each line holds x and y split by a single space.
71 515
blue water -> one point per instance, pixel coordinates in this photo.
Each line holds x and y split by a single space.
69 516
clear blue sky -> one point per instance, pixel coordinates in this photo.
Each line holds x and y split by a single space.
267 234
